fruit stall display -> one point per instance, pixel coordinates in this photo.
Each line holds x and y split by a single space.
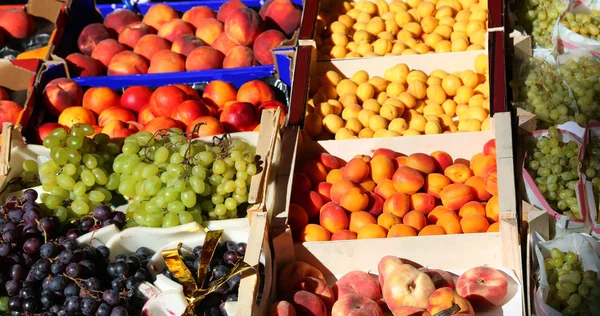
185 36
30 31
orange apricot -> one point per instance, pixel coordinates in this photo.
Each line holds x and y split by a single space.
421 162
356 170
474 223
492 210
382 167
477 183
401 230
315 171
340 188
473 207
415 219
455 195
371 231
431 230
354 200
343 235
458 173
387 220
360 219
385 189
408 180
333 219
297 218
450 223
397 204
494 228
422 202
435 183
334 176
437 212
314 232
490 182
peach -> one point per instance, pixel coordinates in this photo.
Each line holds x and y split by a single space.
312 204
385 152
354 200
60 94
421 162
415 219
209 30
343 235
255 92
440 278
135 97
239 117
224 44
329 161
455 195
203 58
99 99
238 57
81 65
219 92
145 115
356 305
132 33
442 160
76 115
3 94
227 8
294 271
483 287
207 126
175 28
408 180
243 25
9 111
334 175
159 14
385 189
16 23
106 50
481 165
375 206
359 220
407 286
127 63
297 218
90 36
397 204
334 219
382 167
118 130
435 183
357 282
314 232
477 183
437 212
165 99
191 93
489 148
446 297
185 44
159 123
386 265
317 287
458 173
282 15
119 19
492 210
431 230
197 15
490 182
187 111
282 308
410 311
166 61
301 184
150 44
316 172
307 303
422 202
265 43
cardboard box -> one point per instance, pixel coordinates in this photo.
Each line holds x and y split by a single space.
283 55
18 77
450 252
49 17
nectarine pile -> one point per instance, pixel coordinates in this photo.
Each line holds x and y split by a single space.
220 107
405 290
390 195
200 39
404 102
351 29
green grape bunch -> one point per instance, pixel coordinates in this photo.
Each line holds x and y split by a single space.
543 92
582 77
553 165
539 17
585 24
172 179
572 291
591 167
77 177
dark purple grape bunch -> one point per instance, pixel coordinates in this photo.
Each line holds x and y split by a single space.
225 257
102 216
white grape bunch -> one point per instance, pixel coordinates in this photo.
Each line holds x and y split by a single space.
582 77
539 18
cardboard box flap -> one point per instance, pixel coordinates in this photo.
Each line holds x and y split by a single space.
14 77
46 9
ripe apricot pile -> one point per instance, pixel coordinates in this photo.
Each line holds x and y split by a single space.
404 102
390 195
351 29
